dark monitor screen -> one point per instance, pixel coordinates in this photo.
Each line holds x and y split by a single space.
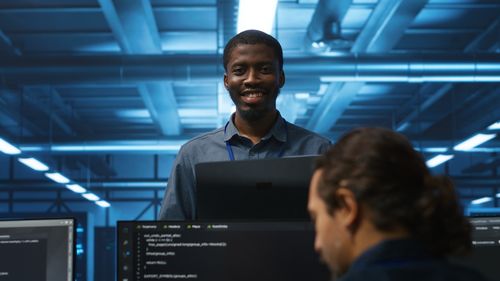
41 250
223 251
485 255
254 189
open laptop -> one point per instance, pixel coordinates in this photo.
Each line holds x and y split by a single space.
254 189
218 250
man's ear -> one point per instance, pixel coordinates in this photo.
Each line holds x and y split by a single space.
225 81
349 210
282 78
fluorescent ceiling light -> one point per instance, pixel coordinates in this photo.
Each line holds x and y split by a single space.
103 203
34 164
133 113
408 79
403 126
498 195
94 148
434 149
494 126
256 14
481 200
302 96
134 184
90 196
474 141
57 178
8 148
438 160
76 188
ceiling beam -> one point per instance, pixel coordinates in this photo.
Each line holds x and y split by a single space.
476 117
386 25
6 44
434 93
11 107
488 40
226 22
134 27
33 97
334 102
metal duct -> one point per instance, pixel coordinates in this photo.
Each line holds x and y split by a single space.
140 68
172 146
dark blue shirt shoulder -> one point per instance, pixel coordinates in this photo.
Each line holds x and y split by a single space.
407 260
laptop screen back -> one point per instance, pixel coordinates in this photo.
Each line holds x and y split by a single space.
254 189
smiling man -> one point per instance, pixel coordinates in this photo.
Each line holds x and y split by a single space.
254 75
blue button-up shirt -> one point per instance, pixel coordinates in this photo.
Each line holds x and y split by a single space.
289 139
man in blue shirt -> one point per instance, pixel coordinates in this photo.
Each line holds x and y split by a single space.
253 63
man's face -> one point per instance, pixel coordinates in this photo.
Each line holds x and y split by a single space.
330 240
253 79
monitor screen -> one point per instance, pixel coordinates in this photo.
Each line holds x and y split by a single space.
223 251
485 255
274 189
41 249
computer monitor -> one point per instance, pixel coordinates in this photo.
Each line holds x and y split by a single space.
254 189
41 249
218 250
485 255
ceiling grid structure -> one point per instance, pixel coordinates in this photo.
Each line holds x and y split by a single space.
87 85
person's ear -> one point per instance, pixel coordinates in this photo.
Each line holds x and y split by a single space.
349 210
225 81
282 78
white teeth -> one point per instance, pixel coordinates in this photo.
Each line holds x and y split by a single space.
254 95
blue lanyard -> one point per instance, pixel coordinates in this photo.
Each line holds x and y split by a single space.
230 149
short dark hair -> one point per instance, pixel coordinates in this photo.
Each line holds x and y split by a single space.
387 175
252 37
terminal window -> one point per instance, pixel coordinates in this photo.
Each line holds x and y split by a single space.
36 250
218 251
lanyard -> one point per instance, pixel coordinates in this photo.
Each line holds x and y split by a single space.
230 149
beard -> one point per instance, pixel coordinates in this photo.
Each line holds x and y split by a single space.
253 114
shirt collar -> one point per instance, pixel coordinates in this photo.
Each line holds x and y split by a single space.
278 131
391 251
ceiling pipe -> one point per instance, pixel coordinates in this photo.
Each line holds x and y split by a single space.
172 146
353 67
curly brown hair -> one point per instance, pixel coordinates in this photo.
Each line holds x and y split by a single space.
388 176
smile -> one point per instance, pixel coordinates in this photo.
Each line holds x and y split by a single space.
253 94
